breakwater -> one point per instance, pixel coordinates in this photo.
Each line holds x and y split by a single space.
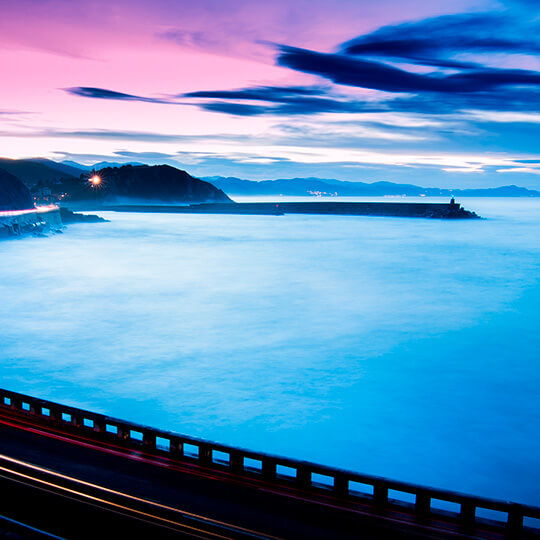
385 209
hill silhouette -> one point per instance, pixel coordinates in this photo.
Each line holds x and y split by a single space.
144 183
14 195
33 171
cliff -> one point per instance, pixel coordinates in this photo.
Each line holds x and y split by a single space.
14 195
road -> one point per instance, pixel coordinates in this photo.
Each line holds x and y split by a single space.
74 487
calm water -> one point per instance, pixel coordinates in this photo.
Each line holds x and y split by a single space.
406 348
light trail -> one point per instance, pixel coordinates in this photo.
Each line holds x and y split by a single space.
119 509
131 498
35 210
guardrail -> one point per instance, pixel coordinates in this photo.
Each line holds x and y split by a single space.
419 502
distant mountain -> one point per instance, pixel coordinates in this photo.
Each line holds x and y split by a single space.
51 181
329 187
503 191
96 166
61 167
33 171
293 186
14 195
143 182
75 165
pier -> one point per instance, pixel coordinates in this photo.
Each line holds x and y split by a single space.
105 470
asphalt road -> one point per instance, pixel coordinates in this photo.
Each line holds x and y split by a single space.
77 488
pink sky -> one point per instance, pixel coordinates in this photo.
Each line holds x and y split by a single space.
168 47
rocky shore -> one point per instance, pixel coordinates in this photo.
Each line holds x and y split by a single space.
75 217
34 223
41 222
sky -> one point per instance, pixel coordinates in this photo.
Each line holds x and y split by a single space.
421 91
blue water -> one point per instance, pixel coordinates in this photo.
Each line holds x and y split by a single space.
406 348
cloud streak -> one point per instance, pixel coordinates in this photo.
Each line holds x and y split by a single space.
103 93
342 69
436 40
278 101
368 62
516 103
254 101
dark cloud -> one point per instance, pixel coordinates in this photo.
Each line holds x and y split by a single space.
236 109
343 69
369 62
103 93
278 101
278 94
436 40
239 102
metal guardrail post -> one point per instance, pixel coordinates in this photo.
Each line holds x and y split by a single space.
236 461
122 432
55 413
467 514
99 425
422 504
269 468
149 440
341 485
515 521
177 448
380 493
205 454
303 477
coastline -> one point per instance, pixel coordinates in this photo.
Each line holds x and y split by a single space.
37 222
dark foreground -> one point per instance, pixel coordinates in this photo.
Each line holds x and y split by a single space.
75 490
403 209
64 471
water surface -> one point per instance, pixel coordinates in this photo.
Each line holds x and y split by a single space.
406 348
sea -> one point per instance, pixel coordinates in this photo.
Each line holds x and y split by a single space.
398 347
